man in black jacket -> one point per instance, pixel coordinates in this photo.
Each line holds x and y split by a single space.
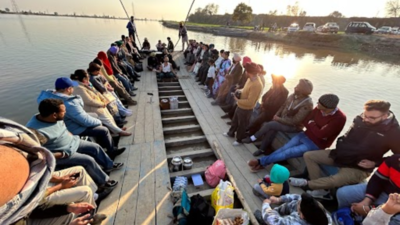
357 153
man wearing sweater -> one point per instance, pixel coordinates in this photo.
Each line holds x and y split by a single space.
289 118
245 103
362 197
323 125
357 153
68 149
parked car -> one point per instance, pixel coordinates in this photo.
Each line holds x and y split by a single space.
330 27
395 30
319 29
360 28
384 30
310 27
294 27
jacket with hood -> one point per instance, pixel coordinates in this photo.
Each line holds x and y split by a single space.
42 164
76 119
297 106
363 141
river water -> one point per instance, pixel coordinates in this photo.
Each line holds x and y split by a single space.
49 47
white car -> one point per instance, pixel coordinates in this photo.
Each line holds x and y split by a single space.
384 30
310 27
395 30
294 27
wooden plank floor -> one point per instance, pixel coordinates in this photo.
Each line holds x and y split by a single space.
142 195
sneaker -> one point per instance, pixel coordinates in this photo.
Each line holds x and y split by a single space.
297 182
236 143
258 152
226 134
214 103
247 140
116 166
321 194
226 116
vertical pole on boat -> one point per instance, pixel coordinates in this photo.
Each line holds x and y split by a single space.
127 15
187 16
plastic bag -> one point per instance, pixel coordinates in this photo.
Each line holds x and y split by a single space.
231 214
222 196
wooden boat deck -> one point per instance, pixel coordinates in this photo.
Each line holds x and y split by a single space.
142 195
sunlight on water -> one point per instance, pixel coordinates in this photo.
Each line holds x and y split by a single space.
59 46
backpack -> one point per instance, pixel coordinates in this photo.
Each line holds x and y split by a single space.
345 216
215 172
201 212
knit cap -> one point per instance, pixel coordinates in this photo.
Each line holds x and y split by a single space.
329 101
119 43
279 174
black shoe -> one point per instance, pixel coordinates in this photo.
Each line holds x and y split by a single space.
106 192
134 89
126 106
258 153
116 152
226 116
178 68
116 166
247 140
137 80
229 123
201 84
132 94
259 218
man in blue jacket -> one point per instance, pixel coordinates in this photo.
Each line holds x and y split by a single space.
77 120
68 149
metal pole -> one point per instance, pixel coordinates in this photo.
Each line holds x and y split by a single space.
187 16
127 15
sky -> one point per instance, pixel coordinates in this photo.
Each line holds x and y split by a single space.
177 9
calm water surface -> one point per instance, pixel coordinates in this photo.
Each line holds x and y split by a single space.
59 46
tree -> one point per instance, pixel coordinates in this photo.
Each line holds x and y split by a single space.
273 13
242 13
336 14
293 10
393 8
7 9
56 13
211 9
303 13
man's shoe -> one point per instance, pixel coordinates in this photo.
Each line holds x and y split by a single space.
116 152
247 140
226 108
321 194
229 123
98 219
132 94
297 182
259 217
236 143
258 152
227 134
226 116
214 103
116 166
137 80
132 102
104 193
134 89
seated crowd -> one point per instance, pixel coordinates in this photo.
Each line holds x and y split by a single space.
237 87
94 103
79 122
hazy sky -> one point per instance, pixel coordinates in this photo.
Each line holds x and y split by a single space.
177 9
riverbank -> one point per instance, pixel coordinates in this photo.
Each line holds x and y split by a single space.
374 45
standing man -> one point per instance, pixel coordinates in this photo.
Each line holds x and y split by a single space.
131 28
183 35
248 98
